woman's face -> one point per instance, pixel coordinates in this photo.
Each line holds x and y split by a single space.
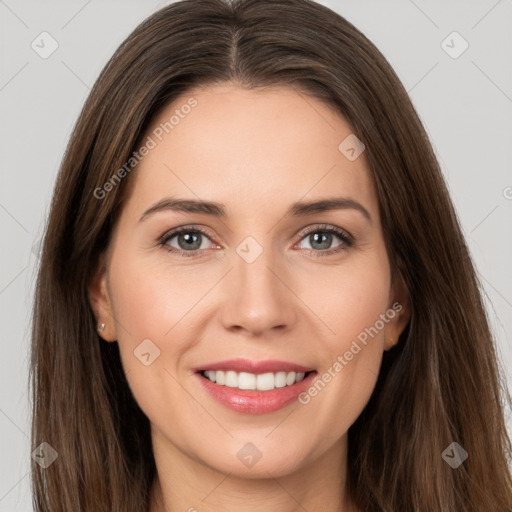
254 289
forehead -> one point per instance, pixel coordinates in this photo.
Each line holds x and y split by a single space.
248 149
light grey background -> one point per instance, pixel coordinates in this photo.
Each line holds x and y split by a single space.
465 104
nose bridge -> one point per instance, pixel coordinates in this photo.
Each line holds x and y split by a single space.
257 296
255 276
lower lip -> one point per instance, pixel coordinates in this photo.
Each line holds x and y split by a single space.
253 401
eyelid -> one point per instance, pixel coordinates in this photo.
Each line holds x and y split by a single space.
189 227
347 240
312 228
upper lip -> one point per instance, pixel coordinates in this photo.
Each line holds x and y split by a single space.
256 367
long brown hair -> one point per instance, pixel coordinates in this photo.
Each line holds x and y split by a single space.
441 384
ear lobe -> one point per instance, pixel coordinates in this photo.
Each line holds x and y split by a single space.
99 299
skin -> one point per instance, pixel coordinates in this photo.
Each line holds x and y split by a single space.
258 152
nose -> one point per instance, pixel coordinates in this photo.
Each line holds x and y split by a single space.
259 297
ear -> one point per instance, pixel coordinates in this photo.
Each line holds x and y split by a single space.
400 304
100 302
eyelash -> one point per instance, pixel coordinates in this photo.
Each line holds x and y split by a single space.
347 241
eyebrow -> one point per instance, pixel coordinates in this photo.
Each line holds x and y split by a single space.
298 209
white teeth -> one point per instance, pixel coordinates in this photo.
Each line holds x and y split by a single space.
280 381
290 378
231 380
261 382
265 381
246 380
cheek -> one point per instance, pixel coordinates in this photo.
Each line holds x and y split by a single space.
349 299
150 301
352 353
149 306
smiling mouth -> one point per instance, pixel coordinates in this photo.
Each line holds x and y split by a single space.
254 382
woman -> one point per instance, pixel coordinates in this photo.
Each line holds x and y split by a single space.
254 292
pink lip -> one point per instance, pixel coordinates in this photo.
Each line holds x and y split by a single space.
256 367
254 401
